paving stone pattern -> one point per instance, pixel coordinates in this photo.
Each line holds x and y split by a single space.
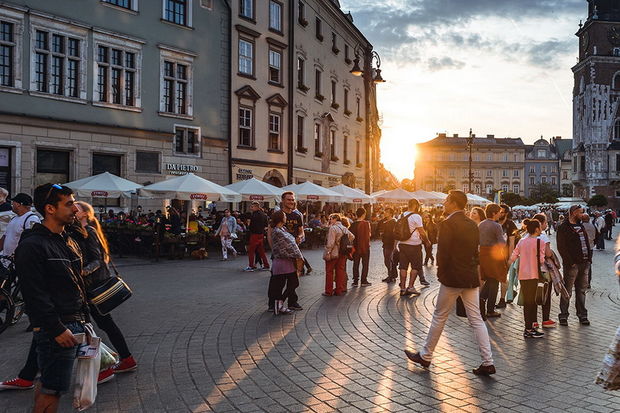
205 343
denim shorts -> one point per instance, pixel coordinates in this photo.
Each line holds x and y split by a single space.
55 362
410 255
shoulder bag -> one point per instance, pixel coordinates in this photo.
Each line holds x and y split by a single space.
542 288
109 294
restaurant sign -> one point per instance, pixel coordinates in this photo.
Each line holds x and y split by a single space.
181 169
199 196
99 194
312 197
244 174
257 198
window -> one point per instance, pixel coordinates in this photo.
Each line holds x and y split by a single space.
186 141
301 73
177 11
58 63
532 169
52 166
301 12
515 173
505 157
317 84
505 187
246 126
176 89
617 129
541 153
543 179
7 54
489 172
489 188
332 145
147 162
274 132
565 173
582 163
346 101
106 163
516 189
544 169
246 9
317 140
554 170
553 180
125 4
451 173
466 188
345 149
117 72
358 158
275 66
477 157
346 53
335 43
318 29
333 94
531 180
246 57
505 173
275 16
477 189
300 133
490 157
516 158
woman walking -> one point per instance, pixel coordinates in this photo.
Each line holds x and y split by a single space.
335 263
286 265
431 230
96 258
227 231
477 215
531 254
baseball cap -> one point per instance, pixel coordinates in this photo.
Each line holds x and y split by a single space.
23 199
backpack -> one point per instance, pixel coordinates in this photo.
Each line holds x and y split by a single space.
345 246
401 229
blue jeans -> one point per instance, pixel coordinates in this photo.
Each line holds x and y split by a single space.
55 362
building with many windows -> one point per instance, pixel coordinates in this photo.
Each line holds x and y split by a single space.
563 149
122 86
497 164
542 163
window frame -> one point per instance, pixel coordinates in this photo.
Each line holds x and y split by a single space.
300 134
317 135
177 57
251 128
252 43
133 5
188 13
274 132
252 3
17 47
318 28
318 84
270 50
198 143
280 17
301 73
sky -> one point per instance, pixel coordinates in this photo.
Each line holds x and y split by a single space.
500 67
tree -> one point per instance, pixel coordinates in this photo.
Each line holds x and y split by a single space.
512 199
598 201
545 193
567 190
408 185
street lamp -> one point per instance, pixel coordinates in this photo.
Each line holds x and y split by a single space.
356 70
470 143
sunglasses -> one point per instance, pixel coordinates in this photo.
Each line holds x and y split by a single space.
49 193
574 208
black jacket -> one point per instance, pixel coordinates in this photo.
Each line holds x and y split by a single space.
95 270
457 252
569 245
258 222
49 267
387 236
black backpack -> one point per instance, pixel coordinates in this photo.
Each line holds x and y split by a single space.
345 246
401 229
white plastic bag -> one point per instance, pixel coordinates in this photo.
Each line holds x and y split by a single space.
89 361
109 358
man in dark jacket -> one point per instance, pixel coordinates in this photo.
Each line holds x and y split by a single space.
258 223
457 271
389 245
574 248
49 265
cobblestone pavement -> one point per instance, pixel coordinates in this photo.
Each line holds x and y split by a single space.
205 343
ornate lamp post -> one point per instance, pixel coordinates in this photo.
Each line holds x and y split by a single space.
470 144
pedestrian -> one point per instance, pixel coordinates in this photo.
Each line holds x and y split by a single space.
510 231
227 231
5 205
477 215
431 230
531 253
96 271
573 246
285 266
609 223
361 230
493 268
53 293
591 231
599 224
389 245
256 244
335 261
410 250
21 204
175 220
457 271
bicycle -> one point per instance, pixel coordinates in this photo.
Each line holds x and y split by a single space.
11 301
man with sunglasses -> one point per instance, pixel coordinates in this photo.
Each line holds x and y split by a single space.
49 264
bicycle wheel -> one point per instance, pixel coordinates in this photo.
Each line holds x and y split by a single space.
6 310
18 303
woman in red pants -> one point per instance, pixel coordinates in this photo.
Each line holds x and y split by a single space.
334 262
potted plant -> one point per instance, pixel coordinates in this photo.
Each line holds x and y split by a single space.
347 162
334 158
303 87
302 150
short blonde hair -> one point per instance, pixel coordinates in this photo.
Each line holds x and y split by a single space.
3 194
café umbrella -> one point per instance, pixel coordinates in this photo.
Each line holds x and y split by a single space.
352 195
309 191
256 190
104 185
397 195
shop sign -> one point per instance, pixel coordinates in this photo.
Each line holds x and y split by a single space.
244 174
357 201
333 179
180 169
199 196
257 198
99 194
312 197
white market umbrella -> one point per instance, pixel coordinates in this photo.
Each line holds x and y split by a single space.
395 195
352 195
190 187
439 195
426 197
105 185
256 190
375 194
477 200
309 191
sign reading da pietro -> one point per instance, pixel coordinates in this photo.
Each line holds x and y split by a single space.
181 169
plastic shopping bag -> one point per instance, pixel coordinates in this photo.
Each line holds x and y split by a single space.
89 361
109 358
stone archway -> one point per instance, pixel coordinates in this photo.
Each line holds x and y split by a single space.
275 178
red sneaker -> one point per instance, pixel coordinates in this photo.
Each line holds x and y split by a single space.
16 384
126 365
549 324
105 376
535 325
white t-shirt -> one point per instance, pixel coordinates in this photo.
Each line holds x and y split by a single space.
14 231
415 221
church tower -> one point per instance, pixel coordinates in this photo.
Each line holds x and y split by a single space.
596 104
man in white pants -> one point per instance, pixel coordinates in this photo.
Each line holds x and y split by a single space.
457 262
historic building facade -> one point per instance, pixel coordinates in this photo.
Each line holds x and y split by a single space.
122 86
497 164
596 104
542 166
563 149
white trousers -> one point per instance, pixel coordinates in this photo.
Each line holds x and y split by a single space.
446 301
227 245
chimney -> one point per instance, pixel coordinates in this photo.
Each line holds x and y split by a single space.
490 136
442 135
456 135
473 135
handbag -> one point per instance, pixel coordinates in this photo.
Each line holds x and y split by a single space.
542 289
460 307
109 294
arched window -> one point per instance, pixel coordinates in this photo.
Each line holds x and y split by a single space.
617 130
615 85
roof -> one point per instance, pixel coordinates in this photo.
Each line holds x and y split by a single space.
563 145
442 140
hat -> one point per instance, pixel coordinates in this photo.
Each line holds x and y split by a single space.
23 199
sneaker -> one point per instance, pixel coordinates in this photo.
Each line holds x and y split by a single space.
126 365
494 314
417 358
295 307
249 269
533 333
501 304
425 283
366 284
563 322
16 384
535 325
403 292
105 376
584 322
484 370
549 324
355 284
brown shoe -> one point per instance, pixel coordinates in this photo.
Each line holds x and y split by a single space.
417 358
484 370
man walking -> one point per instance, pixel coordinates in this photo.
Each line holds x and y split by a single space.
21 204
361 229
410 250
609 223
49 264
457 271
599 224
573 246
493 259
389 244
258 223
